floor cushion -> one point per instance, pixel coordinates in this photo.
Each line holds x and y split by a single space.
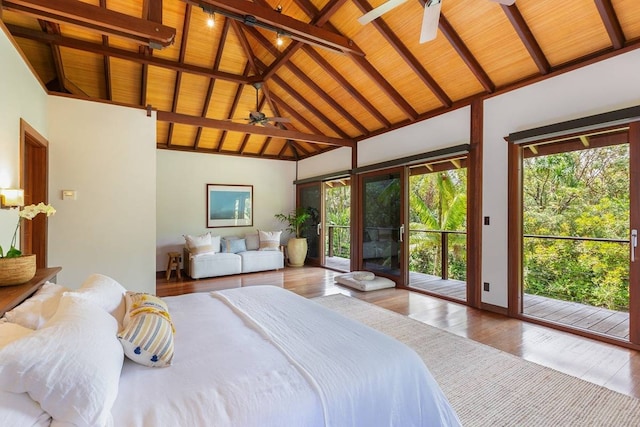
376 283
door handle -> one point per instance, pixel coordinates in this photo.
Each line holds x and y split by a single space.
402 233
318 228
633 244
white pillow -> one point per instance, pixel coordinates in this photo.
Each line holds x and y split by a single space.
36 310
18 409
71 366
10 332
269 240
203 244
105 292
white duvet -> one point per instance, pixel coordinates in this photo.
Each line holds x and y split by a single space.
263 356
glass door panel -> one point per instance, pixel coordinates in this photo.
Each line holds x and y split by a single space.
310 197
382 232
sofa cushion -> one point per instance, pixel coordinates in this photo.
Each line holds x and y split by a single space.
261 260
211 265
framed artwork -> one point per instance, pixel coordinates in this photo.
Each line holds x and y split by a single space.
229 205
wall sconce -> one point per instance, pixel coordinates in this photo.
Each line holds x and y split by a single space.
11 198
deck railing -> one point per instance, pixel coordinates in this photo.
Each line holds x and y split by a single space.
589 270
438 253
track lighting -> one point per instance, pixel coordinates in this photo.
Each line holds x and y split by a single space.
211 21
279 40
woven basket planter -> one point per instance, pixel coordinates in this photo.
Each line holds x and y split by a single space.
15 271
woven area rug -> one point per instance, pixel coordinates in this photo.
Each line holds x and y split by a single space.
488 387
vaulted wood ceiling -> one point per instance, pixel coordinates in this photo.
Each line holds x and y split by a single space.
337 81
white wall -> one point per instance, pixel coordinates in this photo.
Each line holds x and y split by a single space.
333 161
21 96
605 86
181 186
446 130
107 154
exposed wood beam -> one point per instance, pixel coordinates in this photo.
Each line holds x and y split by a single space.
106 63
53 28
405 54
307 105
28 33
254 15
296 115
98 19
328 68
181 55
525 34
585 140
611 23
318 18
265 146
234 104
309 82
465 54
385 86
167 116
366 66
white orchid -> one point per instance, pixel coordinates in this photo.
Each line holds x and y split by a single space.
28 212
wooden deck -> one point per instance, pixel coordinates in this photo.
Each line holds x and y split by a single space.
576 315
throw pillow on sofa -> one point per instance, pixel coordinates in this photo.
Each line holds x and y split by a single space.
233 245
269 240
203 244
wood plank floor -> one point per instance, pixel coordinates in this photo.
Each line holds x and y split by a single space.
614 367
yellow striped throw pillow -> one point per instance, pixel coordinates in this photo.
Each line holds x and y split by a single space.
147 337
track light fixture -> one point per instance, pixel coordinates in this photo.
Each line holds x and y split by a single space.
211 21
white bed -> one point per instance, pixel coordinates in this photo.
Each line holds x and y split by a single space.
263 356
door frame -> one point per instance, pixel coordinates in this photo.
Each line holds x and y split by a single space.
34 179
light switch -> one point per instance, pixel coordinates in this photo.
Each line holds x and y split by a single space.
69 194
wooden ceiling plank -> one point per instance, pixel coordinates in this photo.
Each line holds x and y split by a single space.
266 16
405 54
234 106
53 28
611 23
98 19
525 34
299 148
307 105
385 86
106 63
183 49
212 82
329 69
465 54
167 116
309 82
296 115
265 146
28 33
318 18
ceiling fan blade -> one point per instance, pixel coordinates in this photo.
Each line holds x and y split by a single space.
378 11
505 2
279 119
430 21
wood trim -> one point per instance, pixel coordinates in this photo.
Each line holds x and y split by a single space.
11 296
474 206
494 308
634 219
514 233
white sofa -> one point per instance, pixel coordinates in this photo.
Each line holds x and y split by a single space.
231 255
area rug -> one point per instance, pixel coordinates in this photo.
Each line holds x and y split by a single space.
488 387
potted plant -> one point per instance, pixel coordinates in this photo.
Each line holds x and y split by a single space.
297 245
16 268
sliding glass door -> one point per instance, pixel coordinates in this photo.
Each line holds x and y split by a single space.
310 198
382 232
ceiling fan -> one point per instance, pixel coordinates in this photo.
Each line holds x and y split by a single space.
429 19
259 118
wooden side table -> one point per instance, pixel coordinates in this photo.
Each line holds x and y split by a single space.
174 262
